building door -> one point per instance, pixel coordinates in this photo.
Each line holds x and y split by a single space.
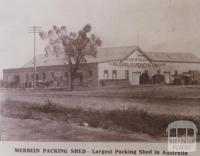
79 78
135 79
167 76
17 80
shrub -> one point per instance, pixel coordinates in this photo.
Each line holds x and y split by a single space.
48 107
131 119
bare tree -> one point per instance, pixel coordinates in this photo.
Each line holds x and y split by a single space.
74 47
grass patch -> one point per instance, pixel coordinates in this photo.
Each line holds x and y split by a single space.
131 119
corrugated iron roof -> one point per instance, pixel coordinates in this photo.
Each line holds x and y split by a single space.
172 57
42 60
103 55
117 53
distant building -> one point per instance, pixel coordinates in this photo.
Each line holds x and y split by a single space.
112 66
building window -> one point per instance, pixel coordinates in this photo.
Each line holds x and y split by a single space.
53 75
90 73
114 74
44 76
26 77
105 75
176 72
32 76
79 77
17 78
67 76
9 78
126 74
37 77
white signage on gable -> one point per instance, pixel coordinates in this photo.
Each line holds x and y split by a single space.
136 60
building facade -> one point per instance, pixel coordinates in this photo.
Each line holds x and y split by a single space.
112 66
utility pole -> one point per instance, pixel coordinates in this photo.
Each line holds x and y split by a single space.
138 39
34 30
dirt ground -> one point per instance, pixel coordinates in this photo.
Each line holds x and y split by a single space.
168 100
173 100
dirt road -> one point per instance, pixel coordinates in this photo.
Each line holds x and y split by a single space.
157 100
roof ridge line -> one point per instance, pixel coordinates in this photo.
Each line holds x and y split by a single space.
118 47
168 52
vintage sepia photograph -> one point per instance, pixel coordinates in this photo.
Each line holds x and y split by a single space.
100 70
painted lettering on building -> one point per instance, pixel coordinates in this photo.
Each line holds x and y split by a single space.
136 62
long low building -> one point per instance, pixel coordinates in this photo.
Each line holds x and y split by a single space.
112 66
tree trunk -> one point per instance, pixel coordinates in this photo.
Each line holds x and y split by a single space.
70 82
71 87
72 73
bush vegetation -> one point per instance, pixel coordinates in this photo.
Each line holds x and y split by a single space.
131 119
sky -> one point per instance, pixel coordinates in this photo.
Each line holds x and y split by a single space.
154 25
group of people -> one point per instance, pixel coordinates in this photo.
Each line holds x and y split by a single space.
155 79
